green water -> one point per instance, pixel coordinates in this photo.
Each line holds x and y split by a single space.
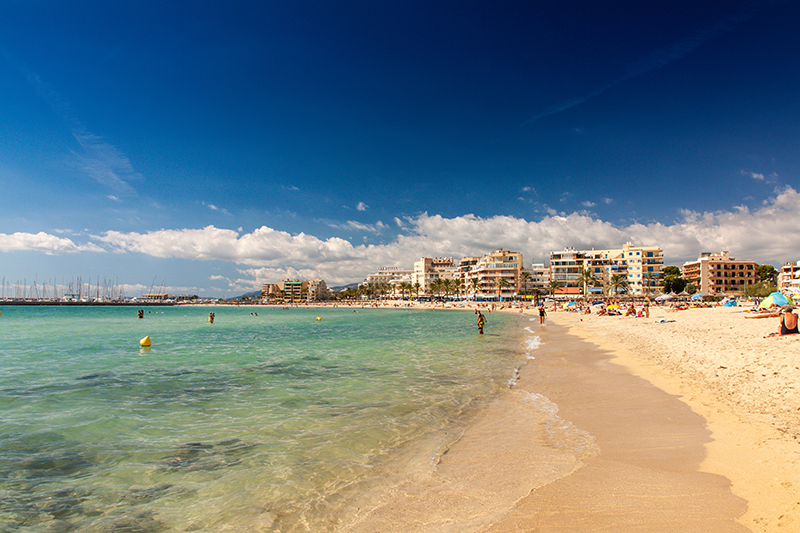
254 423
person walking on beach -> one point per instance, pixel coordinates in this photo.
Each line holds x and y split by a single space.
481 322
542 314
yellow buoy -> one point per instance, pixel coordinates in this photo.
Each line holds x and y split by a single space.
145 341
318 318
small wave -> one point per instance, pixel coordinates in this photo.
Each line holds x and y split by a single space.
532 344
513 381
561 433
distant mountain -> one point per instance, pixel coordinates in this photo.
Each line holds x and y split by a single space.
254 294
343 287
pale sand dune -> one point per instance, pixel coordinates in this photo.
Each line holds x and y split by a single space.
744 385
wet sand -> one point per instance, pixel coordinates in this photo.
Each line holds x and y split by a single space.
634 465
646 476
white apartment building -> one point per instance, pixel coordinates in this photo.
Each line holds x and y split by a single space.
789 278
389 275
539 279
428 269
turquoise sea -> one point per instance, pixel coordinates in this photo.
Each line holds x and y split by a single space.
274 422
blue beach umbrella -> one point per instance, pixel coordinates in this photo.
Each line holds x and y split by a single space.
776 298
697 296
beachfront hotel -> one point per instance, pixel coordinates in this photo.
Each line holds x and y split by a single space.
637 269
719 273
391 276
295 291
483 279
429 269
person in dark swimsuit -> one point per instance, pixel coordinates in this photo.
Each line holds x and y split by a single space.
788 321
481 322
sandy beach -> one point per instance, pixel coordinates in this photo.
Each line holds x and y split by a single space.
694 416
742 384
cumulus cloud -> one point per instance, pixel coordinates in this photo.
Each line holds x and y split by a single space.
362 206
588 203
767 234
43 242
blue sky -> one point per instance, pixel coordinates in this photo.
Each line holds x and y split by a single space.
215 146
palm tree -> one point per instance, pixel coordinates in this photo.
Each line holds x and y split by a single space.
404 287
458 286
649 276
525 277
475 282
435 286
587 279
553 286
618 282
449 286
501 283
416 288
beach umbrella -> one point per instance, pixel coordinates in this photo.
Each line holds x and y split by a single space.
665 297
776 298
697 296
598 302
614 306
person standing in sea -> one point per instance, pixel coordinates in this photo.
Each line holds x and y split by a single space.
481 322
542 314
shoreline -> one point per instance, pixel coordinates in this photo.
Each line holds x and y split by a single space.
740 382
616 453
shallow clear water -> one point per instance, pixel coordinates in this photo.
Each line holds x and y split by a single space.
252 423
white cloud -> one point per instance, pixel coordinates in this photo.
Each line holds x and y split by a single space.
216 208
607 201
769 233
359 226
362 206
587 203
43 242
754 175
